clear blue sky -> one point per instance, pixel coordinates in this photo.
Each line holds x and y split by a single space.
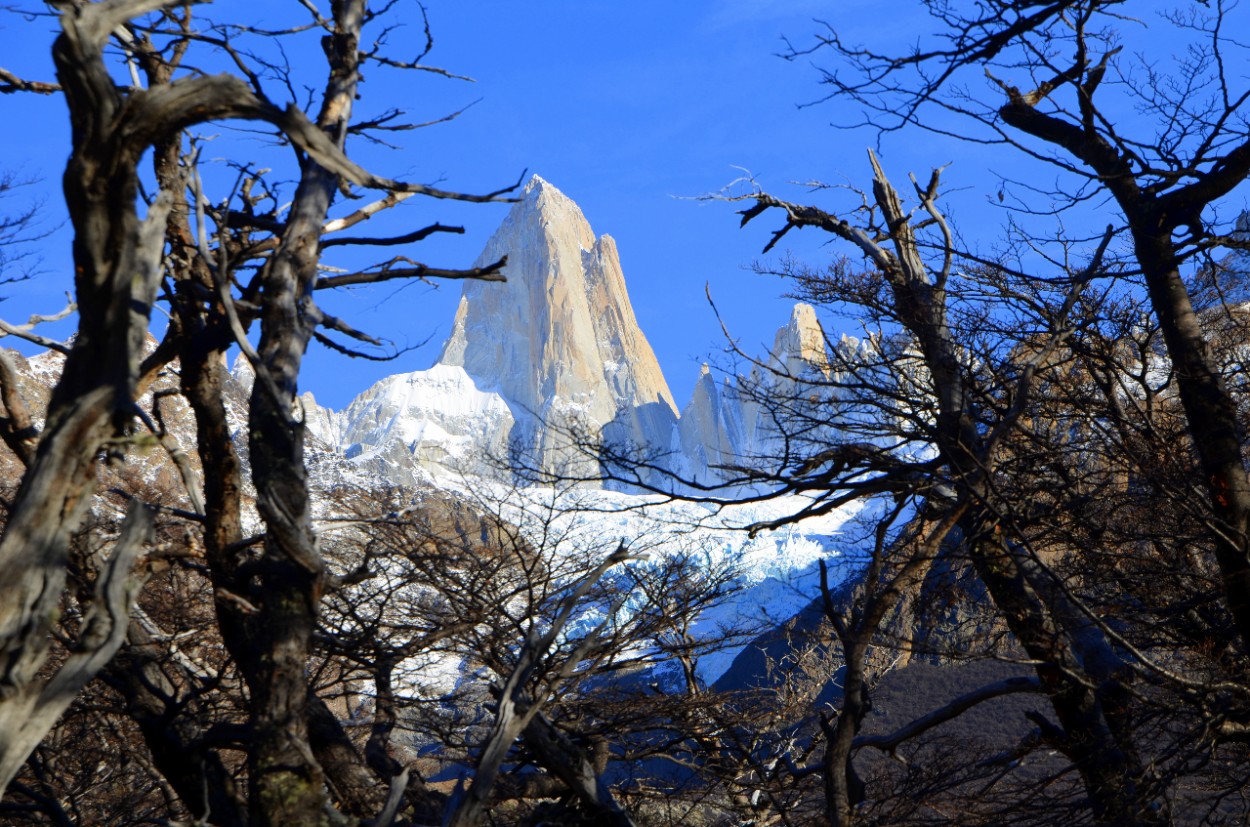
629 108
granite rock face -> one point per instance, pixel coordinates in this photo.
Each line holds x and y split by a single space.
743 421
543 370
551 359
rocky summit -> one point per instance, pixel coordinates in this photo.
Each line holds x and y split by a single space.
559 339
550 363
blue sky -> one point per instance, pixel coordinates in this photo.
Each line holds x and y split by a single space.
632 109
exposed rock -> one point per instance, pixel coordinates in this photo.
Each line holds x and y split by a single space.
559 340
322 424
540 370
549 358
243 374
740 421
710 431
799 349
144 463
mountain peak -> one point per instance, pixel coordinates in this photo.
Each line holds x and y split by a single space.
800 346
540 191
543 205
552 361
559 339
536 185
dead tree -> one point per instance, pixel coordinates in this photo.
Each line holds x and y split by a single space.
970 442
267 602
1167 170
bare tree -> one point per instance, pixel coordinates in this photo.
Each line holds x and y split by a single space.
966 402
1154 136
126 250
1015 423
1166 170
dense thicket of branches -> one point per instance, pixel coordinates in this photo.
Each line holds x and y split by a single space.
1058 427
238 667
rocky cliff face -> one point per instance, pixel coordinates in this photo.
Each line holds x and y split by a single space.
551 357
740 421
538 368
559 340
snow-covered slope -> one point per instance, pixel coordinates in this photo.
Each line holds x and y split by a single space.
440 418
759 580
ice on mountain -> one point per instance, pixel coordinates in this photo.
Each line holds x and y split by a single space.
554 357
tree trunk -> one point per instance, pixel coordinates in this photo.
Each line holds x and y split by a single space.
117 265
843 788
1212 415
287 782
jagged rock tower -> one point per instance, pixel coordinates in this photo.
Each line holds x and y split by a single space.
559 339
557 346
738 421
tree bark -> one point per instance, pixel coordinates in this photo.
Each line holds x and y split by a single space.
287 782
117 263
